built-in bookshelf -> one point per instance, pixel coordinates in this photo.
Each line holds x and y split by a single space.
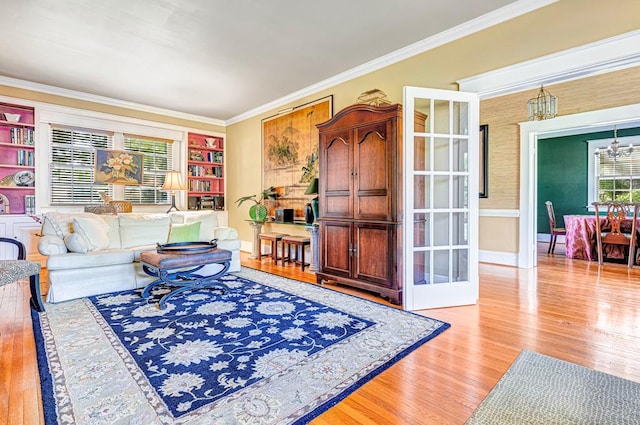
205 172
17 159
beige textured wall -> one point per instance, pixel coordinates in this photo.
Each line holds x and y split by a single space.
557 27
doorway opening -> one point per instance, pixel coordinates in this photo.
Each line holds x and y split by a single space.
530 132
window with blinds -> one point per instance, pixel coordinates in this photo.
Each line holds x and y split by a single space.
72 158
618 179
72 166
158 159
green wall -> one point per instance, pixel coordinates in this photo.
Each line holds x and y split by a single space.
562 174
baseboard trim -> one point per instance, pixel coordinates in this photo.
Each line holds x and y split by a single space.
498 257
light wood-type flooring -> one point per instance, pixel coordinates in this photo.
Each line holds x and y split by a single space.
569 309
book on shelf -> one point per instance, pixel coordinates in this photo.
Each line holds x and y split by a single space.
29 204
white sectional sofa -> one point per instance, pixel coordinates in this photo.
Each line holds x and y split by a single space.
91 254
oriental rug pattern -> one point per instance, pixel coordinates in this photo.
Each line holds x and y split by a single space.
270 350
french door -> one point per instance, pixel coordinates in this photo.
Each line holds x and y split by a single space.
441 163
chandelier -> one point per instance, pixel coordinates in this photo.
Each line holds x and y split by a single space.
543 106
614 150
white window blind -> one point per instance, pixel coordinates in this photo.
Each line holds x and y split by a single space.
72 158
72 166
158 159
618 179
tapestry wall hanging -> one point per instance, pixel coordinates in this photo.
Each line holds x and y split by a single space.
118 167
290 153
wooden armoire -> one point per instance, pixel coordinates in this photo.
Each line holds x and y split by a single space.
360 199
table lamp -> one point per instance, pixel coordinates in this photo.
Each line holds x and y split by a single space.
173 182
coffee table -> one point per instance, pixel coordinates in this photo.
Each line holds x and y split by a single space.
178 270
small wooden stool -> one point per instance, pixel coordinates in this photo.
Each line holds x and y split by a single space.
296 242
273 239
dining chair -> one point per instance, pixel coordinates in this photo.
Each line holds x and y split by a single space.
555 231
616 214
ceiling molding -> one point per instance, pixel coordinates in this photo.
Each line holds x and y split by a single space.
608 55
57 91
498 16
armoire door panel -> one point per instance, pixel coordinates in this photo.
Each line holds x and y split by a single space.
372 253
336 248
372 163
336 174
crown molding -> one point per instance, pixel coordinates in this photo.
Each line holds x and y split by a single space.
610 54
103 100
490 19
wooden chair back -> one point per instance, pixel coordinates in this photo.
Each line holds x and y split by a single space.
552 216
615 214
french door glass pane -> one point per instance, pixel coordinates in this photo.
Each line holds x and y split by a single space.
421 153
460 265
441 154
460 155
441 266
441 116
459 195
421 192
422 106
441 229
421 232
441 192
421 267
460 114
460 228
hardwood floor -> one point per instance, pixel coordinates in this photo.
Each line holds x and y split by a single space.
569 309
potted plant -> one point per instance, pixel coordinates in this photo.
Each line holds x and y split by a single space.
258 211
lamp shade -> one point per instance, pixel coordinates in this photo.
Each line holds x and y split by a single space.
173 181
313 187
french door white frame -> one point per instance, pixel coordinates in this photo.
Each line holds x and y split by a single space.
443 291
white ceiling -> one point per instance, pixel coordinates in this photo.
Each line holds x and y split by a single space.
211 58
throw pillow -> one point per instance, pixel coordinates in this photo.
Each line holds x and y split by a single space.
93 230
209 223
76 243
184 232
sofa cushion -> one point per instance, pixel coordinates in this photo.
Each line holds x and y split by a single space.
93 231
143 229
187 232
209 222
90 259
114 230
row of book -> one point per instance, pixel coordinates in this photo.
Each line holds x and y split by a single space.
204 186
22 136
25 157
202 171
206 156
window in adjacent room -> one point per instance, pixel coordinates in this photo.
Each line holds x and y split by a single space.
614 179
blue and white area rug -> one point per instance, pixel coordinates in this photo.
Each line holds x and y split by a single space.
269 351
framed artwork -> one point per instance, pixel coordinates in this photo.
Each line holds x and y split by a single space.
118 167
290 153
484 160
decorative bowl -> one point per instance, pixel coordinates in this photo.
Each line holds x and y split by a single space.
11 117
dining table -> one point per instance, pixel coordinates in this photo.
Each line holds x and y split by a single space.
581 238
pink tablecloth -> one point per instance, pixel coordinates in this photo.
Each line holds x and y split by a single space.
581 238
